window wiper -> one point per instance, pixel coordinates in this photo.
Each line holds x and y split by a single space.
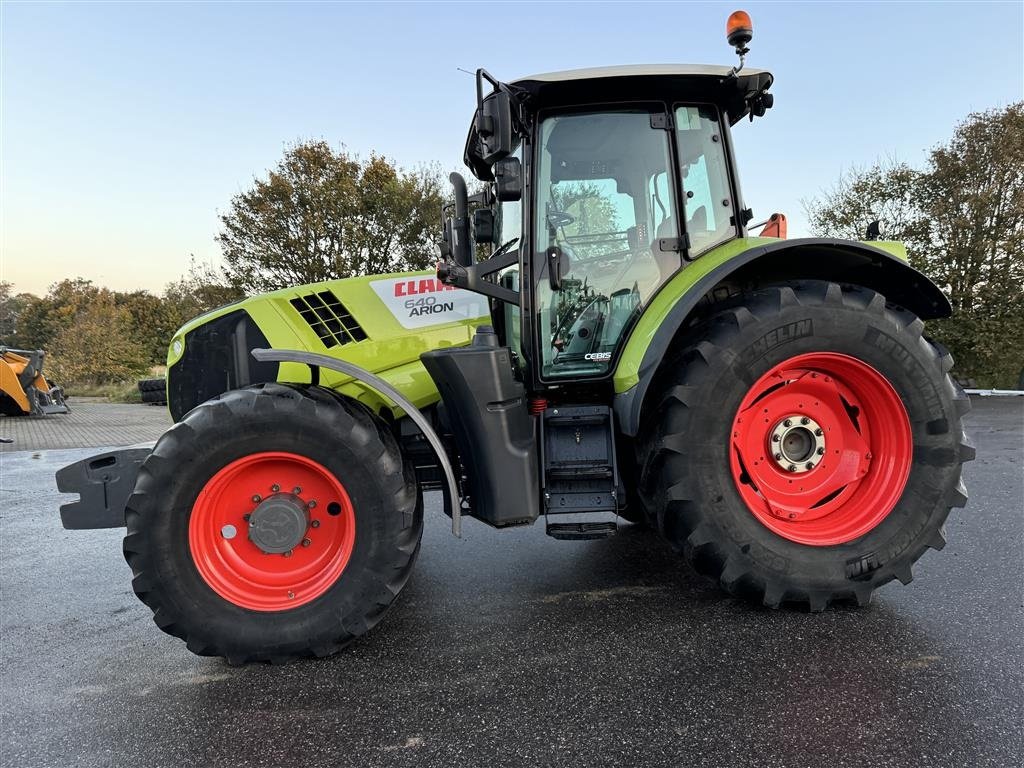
504 248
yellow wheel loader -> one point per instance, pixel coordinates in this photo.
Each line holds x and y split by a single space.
23 388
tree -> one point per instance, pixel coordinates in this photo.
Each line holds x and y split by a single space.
97 345
11 307
889 192
150 323
962 217
201 289
322 214
41 319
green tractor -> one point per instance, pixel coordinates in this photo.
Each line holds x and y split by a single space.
626 352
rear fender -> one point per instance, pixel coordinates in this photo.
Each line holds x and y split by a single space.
755 260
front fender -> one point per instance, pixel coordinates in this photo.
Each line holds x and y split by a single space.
761 260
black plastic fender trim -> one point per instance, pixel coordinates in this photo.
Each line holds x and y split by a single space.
314 361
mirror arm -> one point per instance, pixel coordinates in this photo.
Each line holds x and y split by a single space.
472 278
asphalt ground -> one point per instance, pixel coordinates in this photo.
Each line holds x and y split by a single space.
509 648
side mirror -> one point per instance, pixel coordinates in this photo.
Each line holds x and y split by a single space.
456 232
508 179
493 119
483 225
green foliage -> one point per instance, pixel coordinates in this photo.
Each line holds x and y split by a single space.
97 336
151 323
114 392
962 218
589 204
41 319
11 307
322 214
97 345
198 291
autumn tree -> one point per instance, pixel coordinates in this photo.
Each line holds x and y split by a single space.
97 345
11 307
962 217
42 318
199 290
322 214
151 323
888 192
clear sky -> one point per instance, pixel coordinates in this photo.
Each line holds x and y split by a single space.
126 127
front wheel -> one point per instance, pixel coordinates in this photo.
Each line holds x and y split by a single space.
273 522
806 445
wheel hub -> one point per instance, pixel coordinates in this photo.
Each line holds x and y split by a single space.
278 524
797 444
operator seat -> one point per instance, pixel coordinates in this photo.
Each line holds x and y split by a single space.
668 261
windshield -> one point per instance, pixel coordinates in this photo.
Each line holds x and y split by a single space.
604 209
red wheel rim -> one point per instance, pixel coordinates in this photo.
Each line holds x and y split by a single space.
849 427
240 571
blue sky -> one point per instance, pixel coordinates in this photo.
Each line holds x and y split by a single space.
126 127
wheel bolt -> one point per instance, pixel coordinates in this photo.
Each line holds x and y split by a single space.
311 504
306 542
778 457
792 467
291 595
787 423
256 499
288 553
817 432
821 451
805 420
314 524
296 490
809 465
246 517
775 438
275 487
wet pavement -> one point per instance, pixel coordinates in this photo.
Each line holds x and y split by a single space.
509 648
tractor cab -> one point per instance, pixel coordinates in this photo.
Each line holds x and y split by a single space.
599 185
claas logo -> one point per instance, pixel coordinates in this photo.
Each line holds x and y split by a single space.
420 287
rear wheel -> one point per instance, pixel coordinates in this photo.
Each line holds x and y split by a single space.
273 522
806 445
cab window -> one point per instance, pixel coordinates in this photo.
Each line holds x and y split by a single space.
707 195
602 204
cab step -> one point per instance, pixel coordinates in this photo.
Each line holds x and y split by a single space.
580 473
581 531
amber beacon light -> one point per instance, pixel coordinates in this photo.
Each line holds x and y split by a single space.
739 30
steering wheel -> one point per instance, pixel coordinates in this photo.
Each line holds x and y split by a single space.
558 219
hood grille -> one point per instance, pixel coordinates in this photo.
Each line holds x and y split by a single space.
328 318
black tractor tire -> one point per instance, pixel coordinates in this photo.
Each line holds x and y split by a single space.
153 385
687 479
9 406
313 423
154 398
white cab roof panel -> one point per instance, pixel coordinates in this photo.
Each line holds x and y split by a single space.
637 70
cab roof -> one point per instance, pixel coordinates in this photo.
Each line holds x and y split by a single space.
637 70
702 82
